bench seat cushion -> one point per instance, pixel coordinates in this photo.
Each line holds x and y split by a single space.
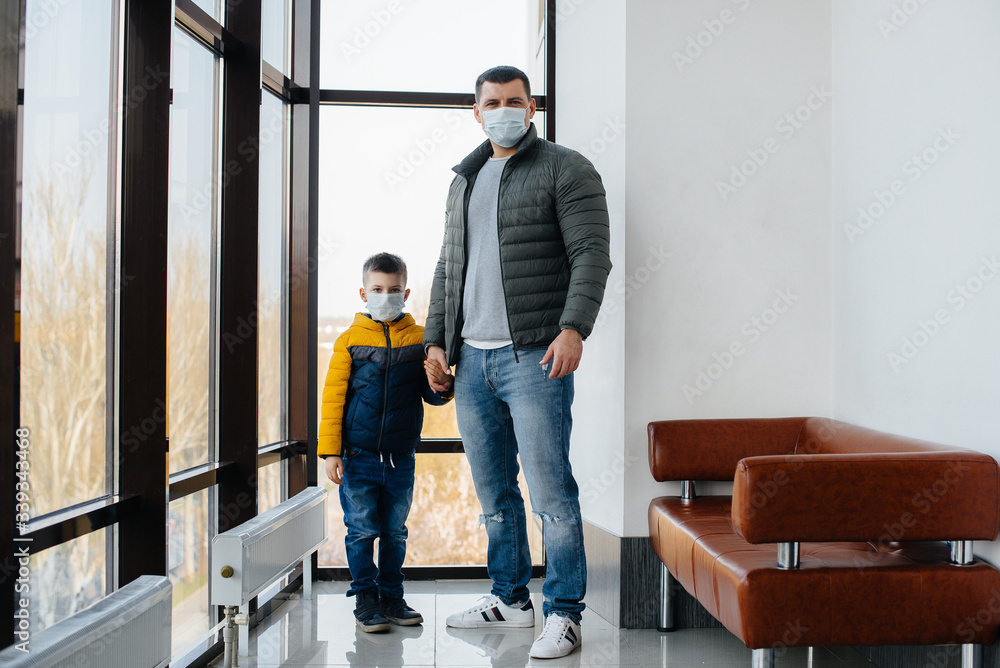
842 594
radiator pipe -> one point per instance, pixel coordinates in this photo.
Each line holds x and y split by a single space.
230 638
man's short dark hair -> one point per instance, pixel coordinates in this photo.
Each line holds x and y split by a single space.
385 263
500 75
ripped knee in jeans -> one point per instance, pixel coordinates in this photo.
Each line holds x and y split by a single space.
495 517
549 517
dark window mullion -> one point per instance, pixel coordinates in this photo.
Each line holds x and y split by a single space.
550 69
79 520
10 99
395 98
273 80
440 446
201 26
198 478
303 235
238 289
142 334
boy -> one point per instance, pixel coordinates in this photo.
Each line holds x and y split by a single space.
371 420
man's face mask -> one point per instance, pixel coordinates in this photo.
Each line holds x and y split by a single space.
505 125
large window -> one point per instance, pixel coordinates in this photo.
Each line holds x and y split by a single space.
272 293
385 172
271 283
275 39
191 286
67 578
438 45
68 136
64 308
191 252
191 526
165 267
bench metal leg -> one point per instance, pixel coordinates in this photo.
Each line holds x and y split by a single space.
961 552
972 656
666 600
763 658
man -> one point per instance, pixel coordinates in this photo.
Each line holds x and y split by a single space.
517 288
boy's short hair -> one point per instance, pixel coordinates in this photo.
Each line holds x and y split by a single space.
385 263
500 75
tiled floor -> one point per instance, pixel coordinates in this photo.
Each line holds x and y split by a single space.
321 632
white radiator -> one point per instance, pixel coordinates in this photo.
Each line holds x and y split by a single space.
247 559
130 628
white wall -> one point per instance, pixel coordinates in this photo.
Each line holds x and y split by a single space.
907 84
879 331
590 94
699 273
762 252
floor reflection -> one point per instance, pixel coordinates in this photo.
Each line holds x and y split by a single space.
321 632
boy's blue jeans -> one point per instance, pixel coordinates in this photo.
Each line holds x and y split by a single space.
375 498
506 407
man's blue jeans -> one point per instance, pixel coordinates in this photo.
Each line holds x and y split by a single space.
376 498
505 407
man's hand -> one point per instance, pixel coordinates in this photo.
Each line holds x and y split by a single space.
335 469
436 358
565 353
437 377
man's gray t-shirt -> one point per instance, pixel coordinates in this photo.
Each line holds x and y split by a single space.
484 308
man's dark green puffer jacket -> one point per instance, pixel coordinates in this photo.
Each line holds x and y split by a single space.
554 238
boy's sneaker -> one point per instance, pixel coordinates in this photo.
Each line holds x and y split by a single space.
490 611
559 637
366 613
397 612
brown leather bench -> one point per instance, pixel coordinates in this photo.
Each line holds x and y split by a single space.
834 534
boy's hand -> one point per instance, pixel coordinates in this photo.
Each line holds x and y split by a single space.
335 469
436 366
565 353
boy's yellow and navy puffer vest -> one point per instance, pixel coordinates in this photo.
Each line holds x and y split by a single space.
375 388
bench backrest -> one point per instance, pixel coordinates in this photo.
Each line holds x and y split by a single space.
823 436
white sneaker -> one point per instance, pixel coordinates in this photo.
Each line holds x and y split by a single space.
559 637
492 612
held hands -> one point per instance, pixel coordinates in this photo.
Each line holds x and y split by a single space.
436 367
335 469
565 353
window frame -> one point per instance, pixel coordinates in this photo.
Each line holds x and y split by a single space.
136 505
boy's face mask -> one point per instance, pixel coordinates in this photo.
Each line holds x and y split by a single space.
385 306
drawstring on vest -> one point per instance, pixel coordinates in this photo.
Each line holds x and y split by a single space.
391 463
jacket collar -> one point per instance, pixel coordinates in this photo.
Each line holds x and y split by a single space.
365 321
475 160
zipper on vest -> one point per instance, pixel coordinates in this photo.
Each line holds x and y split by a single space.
503 282
385 384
